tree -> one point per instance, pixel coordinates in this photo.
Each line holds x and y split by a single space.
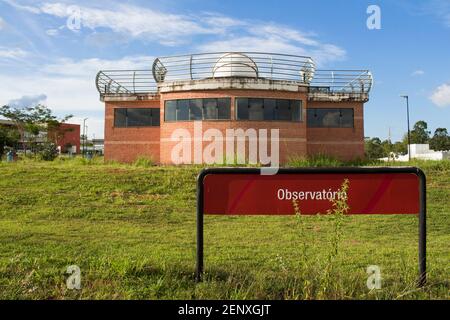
400 147
374 148
419 133
9 137
30 121
440 140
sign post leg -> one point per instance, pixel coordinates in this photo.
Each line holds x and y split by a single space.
199 265
422 232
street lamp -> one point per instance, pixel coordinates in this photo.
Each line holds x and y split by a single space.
84 135
407 119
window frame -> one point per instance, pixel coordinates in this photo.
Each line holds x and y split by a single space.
202 109
332 127
290 101
126 118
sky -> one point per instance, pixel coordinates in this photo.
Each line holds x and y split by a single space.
50 51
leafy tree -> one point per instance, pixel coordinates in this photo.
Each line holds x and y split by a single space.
400 147
374 148
419 133
9 137
440 140
30 121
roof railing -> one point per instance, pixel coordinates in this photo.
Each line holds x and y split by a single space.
296 69
116 82
271 66
341 81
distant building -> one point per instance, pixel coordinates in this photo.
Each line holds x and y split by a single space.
317 112
66 137
422 152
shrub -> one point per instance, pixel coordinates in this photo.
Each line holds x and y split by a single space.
144 162
48 151
314 161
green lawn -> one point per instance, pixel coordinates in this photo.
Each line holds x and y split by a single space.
131 230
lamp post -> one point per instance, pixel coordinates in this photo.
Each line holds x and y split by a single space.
84 136
407 119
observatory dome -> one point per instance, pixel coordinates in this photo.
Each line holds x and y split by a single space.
235 65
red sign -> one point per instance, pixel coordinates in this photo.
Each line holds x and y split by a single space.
255 194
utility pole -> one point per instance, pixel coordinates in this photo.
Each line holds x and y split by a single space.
407 120
84 136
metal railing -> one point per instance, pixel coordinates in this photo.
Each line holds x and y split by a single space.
297 69
115 82
344 81
234 64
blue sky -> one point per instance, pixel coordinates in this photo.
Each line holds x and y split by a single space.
45 57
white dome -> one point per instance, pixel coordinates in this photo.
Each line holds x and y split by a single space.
307 71
235 65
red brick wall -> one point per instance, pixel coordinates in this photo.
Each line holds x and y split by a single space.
68 133
292 135
341 143
129 144
296 140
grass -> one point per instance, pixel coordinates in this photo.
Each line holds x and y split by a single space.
131 230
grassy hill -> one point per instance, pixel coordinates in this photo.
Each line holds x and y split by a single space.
131 230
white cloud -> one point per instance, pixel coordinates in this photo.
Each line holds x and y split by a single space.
69 83
95 125
321 53
12 53
28 101
441 95
418 73
18 6
139 23
52 32
89 67
134 21
68 86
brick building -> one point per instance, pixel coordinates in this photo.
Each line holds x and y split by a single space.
66 136
315 111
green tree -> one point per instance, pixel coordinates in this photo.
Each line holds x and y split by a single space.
9 137
440 140
30 121
400 147
374 148
419 133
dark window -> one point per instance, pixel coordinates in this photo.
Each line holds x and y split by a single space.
182 110
224 108
330 118
139 117
268 109
295 110
170 110
255 109
120 117
242 108
197 109
346 117
270 106
136 117
283 110
210 109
